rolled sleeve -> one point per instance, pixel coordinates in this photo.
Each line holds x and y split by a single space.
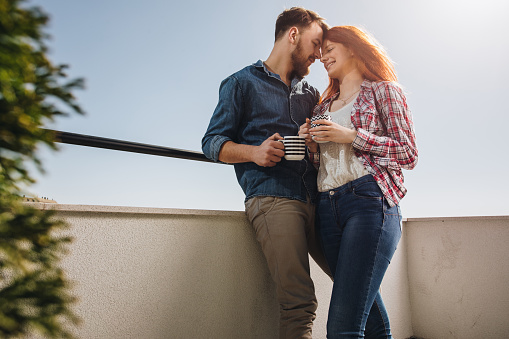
214 147
224 123
361 140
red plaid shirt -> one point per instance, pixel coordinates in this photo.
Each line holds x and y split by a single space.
385 141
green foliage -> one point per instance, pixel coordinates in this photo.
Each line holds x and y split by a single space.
33 290
34 294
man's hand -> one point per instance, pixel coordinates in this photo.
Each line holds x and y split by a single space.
270 152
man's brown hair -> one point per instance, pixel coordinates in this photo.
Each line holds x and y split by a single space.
297 17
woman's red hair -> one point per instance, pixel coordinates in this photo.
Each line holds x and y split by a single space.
372 60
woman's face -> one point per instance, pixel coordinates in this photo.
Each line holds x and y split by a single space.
337 59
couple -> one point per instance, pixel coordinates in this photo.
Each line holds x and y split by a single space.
351 176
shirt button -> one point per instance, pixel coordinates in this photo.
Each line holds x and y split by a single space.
331 192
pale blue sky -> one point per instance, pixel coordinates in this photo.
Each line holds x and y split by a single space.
153 70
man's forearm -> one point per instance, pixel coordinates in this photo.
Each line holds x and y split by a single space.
233 153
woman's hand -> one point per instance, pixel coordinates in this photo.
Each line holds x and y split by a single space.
304 132
330 131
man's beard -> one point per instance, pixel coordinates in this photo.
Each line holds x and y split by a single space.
299 61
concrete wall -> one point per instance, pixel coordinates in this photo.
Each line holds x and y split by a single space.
166 273
459 277
153 273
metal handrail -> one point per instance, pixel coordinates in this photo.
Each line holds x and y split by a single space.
126 146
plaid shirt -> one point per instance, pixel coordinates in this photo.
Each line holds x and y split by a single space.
385 141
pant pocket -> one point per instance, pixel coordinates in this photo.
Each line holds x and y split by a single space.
259 205
367 190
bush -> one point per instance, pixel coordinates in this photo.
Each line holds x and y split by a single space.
34 293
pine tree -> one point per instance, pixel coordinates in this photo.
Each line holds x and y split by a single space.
35 296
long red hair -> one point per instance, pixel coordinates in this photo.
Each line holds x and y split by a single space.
371 58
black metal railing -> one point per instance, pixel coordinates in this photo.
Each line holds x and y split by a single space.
126 146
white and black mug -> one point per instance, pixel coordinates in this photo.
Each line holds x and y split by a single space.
295 147
319 117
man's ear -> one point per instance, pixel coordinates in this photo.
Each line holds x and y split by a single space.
293 34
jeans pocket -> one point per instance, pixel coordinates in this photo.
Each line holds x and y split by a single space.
393 215
395 210
368 190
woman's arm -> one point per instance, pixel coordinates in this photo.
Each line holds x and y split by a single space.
397 149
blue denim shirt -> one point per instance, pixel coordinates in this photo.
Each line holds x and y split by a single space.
255 103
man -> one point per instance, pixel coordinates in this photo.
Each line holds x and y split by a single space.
257 106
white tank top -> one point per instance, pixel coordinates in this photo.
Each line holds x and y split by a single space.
338 163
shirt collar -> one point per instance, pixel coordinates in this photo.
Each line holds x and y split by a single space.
366 84
259 64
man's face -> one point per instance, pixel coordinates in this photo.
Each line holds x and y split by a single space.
307 49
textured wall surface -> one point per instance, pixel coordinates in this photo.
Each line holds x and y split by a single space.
167 273
459 277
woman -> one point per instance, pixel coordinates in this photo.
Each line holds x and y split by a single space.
361 153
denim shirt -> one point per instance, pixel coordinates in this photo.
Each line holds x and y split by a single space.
255 103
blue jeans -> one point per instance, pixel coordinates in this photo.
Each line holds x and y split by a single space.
359 233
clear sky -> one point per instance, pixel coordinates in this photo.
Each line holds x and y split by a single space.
153 69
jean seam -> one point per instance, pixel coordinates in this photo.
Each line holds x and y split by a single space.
367 198
331 201
354 188
381 317
371 271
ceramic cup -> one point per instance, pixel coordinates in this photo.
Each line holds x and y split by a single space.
319 117
295 147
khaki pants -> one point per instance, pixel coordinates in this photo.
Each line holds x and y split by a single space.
285 230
